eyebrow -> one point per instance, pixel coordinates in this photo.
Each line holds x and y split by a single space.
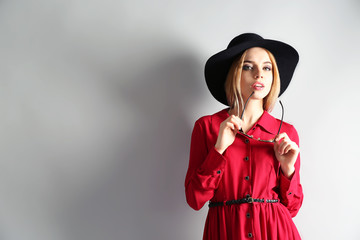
248 61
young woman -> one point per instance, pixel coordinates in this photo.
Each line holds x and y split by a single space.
243 160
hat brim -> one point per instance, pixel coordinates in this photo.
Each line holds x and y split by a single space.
217 66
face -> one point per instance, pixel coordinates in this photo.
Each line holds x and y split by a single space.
256 74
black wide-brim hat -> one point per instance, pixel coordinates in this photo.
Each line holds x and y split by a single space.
217 66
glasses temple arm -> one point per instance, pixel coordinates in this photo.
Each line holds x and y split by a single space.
282 117
242 113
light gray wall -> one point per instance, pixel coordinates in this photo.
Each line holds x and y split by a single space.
98 100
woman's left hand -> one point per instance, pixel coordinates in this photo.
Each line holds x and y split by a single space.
286 152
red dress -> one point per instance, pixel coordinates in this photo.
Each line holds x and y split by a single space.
246 167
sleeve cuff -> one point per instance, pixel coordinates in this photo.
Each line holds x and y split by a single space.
287 185
214 163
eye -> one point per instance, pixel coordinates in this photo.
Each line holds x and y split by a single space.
267 68
247 67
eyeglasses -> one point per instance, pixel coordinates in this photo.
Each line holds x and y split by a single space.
258 139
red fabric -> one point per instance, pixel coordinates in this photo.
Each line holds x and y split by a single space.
215 177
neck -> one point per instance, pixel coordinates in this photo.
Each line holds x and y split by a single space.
253 111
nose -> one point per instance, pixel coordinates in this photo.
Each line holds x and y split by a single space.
258 74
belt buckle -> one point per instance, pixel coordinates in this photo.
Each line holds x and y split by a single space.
249 200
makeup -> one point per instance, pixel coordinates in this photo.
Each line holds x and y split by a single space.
258 86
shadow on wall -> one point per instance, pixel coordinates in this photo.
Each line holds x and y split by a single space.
142 196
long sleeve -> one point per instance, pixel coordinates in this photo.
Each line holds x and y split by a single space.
205 169
247 167
291 193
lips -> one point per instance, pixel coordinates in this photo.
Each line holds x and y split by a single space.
258 86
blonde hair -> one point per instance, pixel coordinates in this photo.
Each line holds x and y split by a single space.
233 89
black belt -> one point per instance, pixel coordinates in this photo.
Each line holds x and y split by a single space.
243 200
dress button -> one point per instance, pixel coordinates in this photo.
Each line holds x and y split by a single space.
218 172
247 178
247 141
290 193
246 158
248 215
247 195
250 235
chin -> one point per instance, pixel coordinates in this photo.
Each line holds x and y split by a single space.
259 95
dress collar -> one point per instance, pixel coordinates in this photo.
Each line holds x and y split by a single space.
266 121
269 123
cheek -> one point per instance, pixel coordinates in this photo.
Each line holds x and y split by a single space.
269 83
269 79
243 81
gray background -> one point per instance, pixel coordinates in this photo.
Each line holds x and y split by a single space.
98 100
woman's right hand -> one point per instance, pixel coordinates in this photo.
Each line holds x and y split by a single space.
228 130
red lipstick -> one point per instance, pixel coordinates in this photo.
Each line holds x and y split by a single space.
258 86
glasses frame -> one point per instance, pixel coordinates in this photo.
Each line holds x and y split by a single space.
258 139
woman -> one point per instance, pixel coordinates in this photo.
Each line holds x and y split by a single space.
243 160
